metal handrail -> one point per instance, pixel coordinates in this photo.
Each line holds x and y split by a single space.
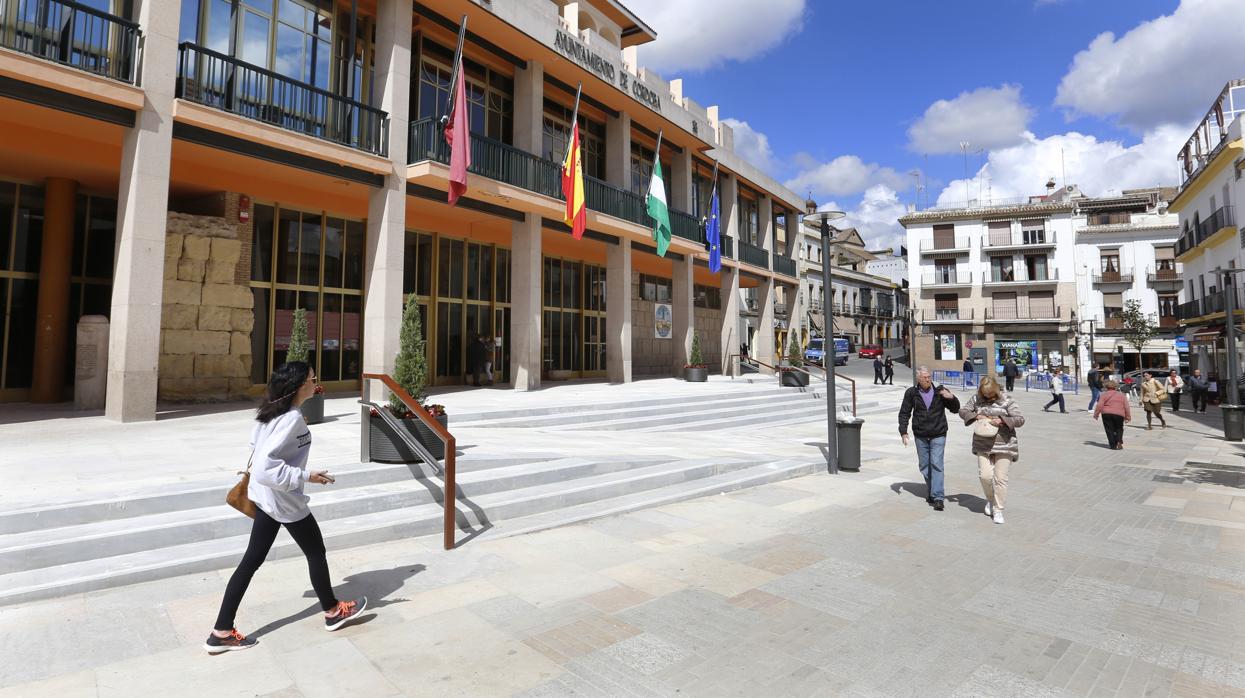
450 498
73 34
777 369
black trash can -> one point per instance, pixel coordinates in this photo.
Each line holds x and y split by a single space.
1233 422
848 430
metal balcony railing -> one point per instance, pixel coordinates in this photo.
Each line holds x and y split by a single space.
1220 219
1153 276
1168 321
1026 238
1020 276
1189 309
1112 277
959 243
489 158
1113 322
947 315
753 255
784 265
1031 313
72 34
939 278
222 82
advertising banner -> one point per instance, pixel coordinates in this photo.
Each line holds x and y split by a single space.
1024 352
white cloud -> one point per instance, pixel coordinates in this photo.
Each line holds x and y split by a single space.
844 175
1165 70
751 145
985 118
695 35
876 217
1098 167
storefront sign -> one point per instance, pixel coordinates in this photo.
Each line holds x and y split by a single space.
1182 344
663 321
1024 352
570 47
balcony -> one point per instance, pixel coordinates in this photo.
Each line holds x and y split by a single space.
221 82
1189 310
784 265
943 248
1113 323
1165 278
940 279
1026 240
751 254
998 278
72 34
1223 218
947 315
1167 322
1030 314
1107 278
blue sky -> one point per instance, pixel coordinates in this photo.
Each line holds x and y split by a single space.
846 98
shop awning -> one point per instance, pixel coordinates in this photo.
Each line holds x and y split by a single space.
1206 333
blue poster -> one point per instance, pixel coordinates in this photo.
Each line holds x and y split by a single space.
1024 352
1182 344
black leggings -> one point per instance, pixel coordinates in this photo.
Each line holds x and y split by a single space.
305 532
1113 424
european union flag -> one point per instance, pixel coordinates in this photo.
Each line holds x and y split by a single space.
713 233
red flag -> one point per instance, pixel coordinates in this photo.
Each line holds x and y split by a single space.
573 186
458 136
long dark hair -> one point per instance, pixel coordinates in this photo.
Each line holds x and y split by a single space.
283 386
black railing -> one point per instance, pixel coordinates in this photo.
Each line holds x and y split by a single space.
1217 221
72 34
1112 277
216 80
615 201
1030 313
784 265
686 226
1165 274
728 247
753 255
947 315
489 158
1189 310
947 278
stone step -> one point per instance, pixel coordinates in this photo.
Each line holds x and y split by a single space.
688 418
744 390
812 414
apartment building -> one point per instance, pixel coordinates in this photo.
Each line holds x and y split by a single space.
866 308
195 171
1212 165
992 281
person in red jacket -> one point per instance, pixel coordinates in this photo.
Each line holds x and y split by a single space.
1113 408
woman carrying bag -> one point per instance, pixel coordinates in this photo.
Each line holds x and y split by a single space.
994 417
277 473
1152 395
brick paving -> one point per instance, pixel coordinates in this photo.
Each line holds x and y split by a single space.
1118 573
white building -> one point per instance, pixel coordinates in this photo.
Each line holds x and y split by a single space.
867 308
890 266
1212 169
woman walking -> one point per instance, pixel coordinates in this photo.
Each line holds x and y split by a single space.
994 416
1175 386
1114 410
282 443
889 368
1152 394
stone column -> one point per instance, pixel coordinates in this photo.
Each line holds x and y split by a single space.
52 322
681 182
618 151
618 312
525 303
142 215
765 225
797 307
683 305
729 201
763 347
386 209
529 107
730 319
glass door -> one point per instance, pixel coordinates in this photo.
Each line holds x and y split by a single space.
449 359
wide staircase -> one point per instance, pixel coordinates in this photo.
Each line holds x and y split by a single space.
162 531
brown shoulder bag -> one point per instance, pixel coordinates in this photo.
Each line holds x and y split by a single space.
238 497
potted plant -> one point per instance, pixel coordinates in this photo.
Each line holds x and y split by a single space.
696 371
410 372
300 350
792 374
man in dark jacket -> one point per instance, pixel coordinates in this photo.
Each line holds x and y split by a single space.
877 370
1094 379
1010 372
475 359
924 405
1198 386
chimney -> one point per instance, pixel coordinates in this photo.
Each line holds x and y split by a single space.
1050 186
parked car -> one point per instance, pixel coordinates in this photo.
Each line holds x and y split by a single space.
842 349
870 351
1130 380
815 352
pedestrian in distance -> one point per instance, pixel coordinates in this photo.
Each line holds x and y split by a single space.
486 357
1199 387
1175 386
475 359
282 444
1010 372
890 371
1094 381
969 371
924 404
1152 395
877 370
1114 410
1056 392
994 417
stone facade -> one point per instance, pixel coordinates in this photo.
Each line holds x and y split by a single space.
207 318
655 357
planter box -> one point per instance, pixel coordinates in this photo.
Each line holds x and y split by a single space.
313 409
696 375
385 446
793 379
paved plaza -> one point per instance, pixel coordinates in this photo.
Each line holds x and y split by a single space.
1117 573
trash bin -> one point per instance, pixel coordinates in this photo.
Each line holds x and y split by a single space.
848 430
1233 422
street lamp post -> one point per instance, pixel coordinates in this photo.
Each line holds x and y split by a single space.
1229 312
832 438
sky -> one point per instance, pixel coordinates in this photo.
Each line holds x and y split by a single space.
845 99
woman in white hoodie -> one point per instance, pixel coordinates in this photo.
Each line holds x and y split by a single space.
282 443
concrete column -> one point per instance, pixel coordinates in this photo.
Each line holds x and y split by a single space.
683 305
730 336
529 107
618 151
797 307
386 209
525 303
618 312
794 238
729 201
681 181
52 323
765 224
142 217
763 347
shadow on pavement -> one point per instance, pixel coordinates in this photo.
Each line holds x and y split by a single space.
969 501
916 489
376 585
1096 443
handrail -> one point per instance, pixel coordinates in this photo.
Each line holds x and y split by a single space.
450 497
805 371
73 34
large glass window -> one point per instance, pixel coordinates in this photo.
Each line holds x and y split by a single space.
21 238
573 328
556 127
490 93
749 220
642 170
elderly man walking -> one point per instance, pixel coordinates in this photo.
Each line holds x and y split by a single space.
926 406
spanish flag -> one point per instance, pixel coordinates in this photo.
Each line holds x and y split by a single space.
573 186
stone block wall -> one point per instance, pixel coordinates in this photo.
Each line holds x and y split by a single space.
649 356
709 327
207 319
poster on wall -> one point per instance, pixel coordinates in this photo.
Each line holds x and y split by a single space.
947 345
1024 352
663 321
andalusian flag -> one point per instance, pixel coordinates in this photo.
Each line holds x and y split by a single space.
657 210
573 186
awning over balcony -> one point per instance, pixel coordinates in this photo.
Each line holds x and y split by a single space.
1205 333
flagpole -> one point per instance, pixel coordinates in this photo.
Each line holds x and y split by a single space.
575 112
657 150
458 62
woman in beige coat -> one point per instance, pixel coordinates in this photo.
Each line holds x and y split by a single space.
1152 394
994 454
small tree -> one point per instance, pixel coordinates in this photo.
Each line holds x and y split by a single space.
696 359
411 367
1139 329
795 358
299 348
